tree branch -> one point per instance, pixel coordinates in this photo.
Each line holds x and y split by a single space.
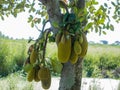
80 4
53 11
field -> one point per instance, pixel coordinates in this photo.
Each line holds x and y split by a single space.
102 61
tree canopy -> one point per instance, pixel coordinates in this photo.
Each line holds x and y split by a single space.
96 16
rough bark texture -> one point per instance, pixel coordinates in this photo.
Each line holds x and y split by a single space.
71 75
53 11
67 77
78 73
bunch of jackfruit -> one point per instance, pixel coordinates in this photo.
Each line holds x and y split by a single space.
70 48
71 40
37 71
42 74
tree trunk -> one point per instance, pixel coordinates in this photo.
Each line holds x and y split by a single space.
71 75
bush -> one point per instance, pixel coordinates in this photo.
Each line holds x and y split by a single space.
12 56
103 59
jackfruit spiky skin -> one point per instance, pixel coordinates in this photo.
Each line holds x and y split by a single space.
46 83
84 46
74 57
31 75
80 39
64 49
33 56
77 47
45 77
36 78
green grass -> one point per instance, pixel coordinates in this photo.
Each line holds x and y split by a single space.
12 55
99 57
15 81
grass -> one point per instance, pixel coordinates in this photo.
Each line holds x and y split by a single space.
12 55
99 57
15 81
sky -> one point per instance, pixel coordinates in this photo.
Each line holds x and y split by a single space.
18 28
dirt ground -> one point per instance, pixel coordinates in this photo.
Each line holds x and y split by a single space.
87 84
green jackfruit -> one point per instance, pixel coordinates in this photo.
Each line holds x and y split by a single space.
77 47
33 56
64 49
84 46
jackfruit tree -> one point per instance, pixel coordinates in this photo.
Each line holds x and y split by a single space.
70 21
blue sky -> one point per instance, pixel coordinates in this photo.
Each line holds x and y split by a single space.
19 28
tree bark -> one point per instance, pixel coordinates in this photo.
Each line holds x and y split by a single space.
71 75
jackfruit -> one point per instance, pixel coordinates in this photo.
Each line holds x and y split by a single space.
31 75
80 39
63 38
58 38
64 49
77 47
45 77
56 65
36 78
33 56
74 57
84 46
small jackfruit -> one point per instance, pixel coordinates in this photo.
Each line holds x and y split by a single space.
33 56
36 78
84 46
77 47
45 77
58 38
64 49
31 75
46 83
74 57
80 39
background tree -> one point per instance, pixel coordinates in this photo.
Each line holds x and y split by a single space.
93 17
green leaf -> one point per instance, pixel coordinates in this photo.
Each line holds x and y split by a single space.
88 26
105 5
114 17
104 32
113 3
57 66
55 24
65 17
111 27
27 5
32 24
2 17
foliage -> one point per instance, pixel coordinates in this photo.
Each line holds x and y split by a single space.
96 18
99 58
101 61
12 56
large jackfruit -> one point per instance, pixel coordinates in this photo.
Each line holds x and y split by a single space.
31 75
77 47
84 46
45 77
33 56
74 57
64 48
